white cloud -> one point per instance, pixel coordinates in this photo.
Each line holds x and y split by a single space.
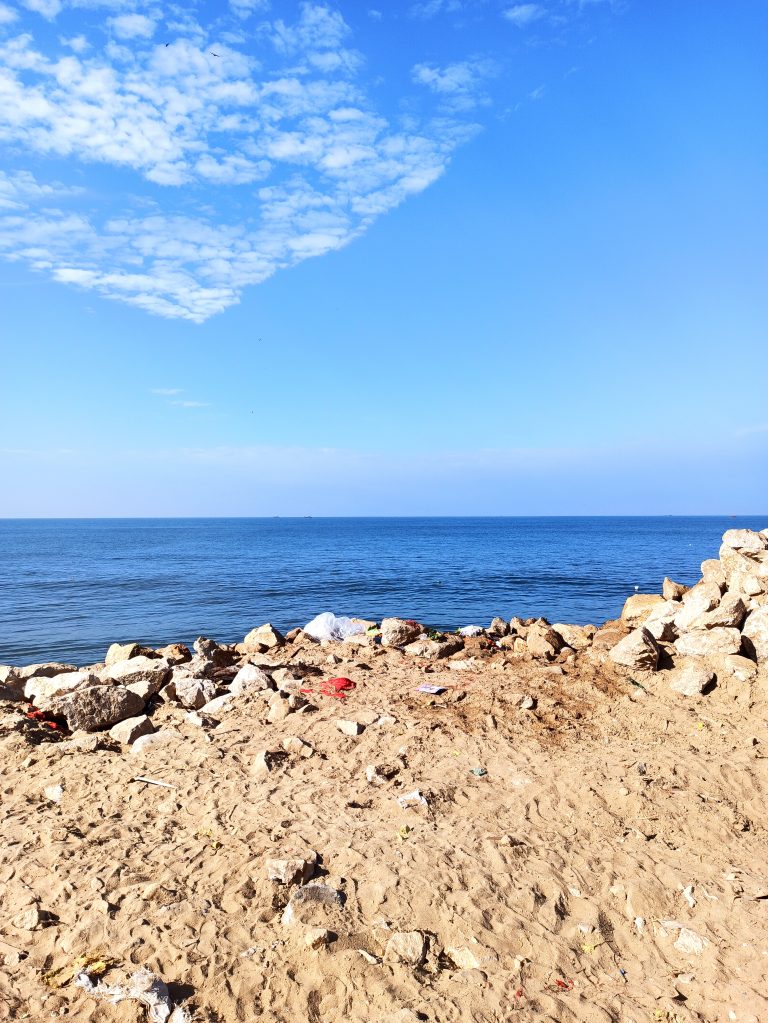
538 92
7 14
460 83
47 8
77 43
166 392
133 26
376 15
245 8
524 14
430 8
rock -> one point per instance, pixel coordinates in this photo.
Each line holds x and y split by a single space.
746 541
498 627
293 635
97 707
279 708
292 870
399 631
742 573
671 590
435 649
379 774
264 637
406 947
350 727
213 653
691 679
578 637
709 642
689 941
285 680
638 650
701 598
191 691
310 902
712 572
47 670
44 690
317 937
121 652
543 641
608 636
637 607
150 674
755 633
267 760
218 705
249 679
131 729
154 740
54 793
175 653
663 630
466 958
729 614
29 920
742 667
293 744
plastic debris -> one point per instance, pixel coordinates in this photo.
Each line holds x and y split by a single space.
414 798
327 626
471 630
479 772
432 690
93 964
153 781
339 688
144 987
404 832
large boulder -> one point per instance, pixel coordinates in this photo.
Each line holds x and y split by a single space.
744 574
712 572
697 601
97 707
42 690
755 633
746 541
671 590
435 650
578 637
660 622
543 641
709 642
249 679
728 614
265 637
213 653
190 690
131 729
639 651
399 631
152 671
691 678
637 607
121 652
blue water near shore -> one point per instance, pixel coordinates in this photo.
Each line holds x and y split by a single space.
70 587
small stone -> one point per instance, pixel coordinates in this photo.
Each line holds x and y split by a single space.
379 774
293 744
317 937
399 631
350 727
29 920
191 691
154 740
691 680
464 958
308 900
293 870
742 667
333 659
638 650
218 705
149 673
372 959
54 793
267 761
249 679
690 942
264 637
406 947
131 729
279 709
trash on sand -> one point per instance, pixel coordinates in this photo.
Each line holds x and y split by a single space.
404 832
414 798
54 793
93 964
432 690
471 630
152 781
144 987
327 626
339 688
564 985
479 772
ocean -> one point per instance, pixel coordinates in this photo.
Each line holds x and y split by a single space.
70 587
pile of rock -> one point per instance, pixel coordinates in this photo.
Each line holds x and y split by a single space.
725 615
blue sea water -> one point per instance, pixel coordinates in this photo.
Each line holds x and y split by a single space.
70 587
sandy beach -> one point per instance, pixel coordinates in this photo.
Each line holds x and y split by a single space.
550 836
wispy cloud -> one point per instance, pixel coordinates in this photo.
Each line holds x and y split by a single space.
524 14
461 83
166 392
132 26
7 14
191 404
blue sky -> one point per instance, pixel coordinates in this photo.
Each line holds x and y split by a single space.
438 257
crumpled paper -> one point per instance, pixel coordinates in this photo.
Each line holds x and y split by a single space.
144 987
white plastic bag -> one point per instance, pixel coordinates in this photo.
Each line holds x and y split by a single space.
328 626
146 988
471 630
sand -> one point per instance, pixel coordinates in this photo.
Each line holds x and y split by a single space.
609 865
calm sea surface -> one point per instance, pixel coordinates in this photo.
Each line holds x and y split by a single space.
70 587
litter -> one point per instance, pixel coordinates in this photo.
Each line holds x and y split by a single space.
432 690
471 630
414 798
144 987
339 688
404 832
479 772
564 985
151 781
327 626
92 964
